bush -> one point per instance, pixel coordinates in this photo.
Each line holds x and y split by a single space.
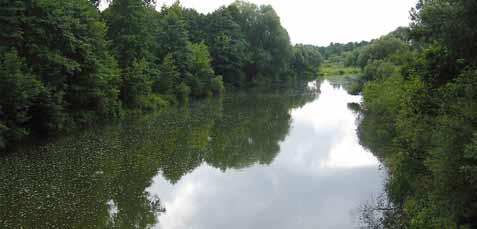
154 103
182 92
217 85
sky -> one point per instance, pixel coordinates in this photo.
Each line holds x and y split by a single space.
321 22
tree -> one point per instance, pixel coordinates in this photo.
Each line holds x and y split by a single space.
228 46
202 72
451 23
306 61
10 32
173 37
136 85
18 91
380 49
269 41
420 114
79 66
131 30
61 48
169 76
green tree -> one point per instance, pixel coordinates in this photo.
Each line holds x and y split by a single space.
169 76
248 43
63 45
228 47
136 85
380 49
131 29
202 72
18 91
173 37
85 66
420 115
182 91
306 61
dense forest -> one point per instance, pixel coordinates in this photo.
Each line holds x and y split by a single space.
66 64
419 115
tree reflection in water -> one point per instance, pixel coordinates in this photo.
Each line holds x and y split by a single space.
99 177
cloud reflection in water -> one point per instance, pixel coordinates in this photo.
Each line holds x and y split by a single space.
319 179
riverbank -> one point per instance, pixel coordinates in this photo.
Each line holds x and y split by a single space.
334 70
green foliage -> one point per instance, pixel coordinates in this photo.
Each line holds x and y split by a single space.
107 98
342 54
228 47
169 75
64 73
420 115
329 69
216 85
306 61
183 91
12 12
173 37
201 70
131 29
380 49
136 86
451 23
67 65
18 91
227 132
248 44
380 70
3 140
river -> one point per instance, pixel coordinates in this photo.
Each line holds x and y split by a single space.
276 158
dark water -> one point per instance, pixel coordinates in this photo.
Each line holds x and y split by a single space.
275 159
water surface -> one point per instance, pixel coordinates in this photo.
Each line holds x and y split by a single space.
281 158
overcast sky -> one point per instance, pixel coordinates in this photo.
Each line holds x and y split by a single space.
320 22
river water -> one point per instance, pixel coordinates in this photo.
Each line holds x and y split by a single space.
276 158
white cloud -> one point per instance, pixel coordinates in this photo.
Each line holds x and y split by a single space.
323 21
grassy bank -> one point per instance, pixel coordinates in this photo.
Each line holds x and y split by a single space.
329 69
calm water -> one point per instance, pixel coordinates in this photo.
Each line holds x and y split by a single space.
276 159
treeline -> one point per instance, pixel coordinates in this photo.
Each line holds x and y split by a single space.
419 86
343 54
65 64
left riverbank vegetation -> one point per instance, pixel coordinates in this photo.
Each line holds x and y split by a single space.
419 116
66 64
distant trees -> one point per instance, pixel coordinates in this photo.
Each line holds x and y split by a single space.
342 54
380 49
306 60
248 44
